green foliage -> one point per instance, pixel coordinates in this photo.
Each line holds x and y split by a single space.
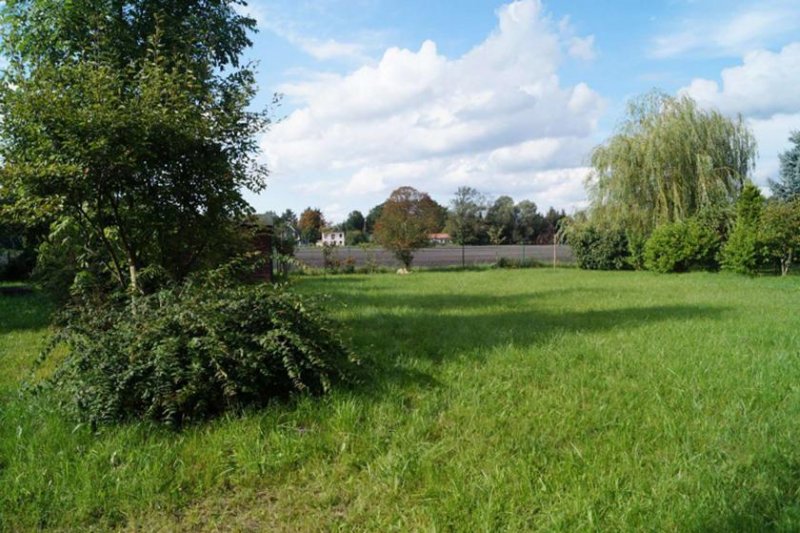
407 218
310 225
512 263
682 246
788 185
780 233
742 252
355 238
668 160
130 119
191 352
465 222
599 249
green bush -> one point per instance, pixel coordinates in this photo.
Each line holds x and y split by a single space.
743 251
693 244
513 263
192 352
597 249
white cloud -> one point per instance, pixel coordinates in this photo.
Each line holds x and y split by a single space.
496 117
733 34
764 84
763 88
582 47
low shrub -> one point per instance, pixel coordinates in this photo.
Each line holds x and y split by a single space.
192 352
683 246
512 263
597 249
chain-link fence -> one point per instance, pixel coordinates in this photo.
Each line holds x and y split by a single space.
440 256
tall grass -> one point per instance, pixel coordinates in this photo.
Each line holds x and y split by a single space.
492 400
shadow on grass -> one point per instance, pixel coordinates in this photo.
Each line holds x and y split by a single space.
23 312
439 327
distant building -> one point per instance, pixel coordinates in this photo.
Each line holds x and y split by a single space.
440 238
332 238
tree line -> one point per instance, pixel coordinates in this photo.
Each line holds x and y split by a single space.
471 218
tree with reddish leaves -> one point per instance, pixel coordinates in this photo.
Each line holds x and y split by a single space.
407 219
310 225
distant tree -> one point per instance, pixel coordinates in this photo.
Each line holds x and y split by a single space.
372 218
529 222
355 237
549 226
441 216
501 217
668 159
465 222
741 253
310 225
495 234
355 222
289 218
788 185
407 219
780 233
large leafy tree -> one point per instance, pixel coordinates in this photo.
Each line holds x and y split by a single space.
466 222
129 120
668 160
407 219
502 219
788 185
310 225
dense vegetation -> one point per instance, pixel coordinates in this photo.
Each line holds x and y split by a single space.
494 400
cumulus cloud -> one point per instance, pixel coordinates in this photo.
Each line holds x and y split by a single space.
763 88
734 34
764 84
496 117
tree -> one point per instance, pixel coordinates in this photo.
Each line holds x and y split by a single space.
788 186
407 218
741 253
355 222
289 218
372 218
310 225
502 218
465 222
780 232
668 160
129 120
529 222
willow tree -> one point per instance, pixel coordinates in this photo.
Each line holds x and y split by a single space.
668 160
128 120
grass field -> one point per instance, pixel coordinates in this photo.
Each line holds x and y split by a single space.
492 400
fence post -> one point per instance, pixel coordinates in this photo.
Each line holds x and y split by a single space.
463 259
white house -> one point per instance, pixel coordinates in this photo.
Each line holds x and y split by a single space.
332 238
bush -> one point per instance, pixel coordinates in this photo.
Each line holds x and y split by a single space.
683 246
192 352
742 253
597 249
513 263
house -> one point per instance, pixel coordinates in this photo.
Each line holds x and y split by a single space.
440 238
332 238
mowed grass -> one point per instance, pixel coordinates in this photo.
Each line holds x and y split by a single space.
491 400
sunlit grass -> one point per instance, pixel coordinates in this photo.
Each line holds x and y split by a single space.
491 400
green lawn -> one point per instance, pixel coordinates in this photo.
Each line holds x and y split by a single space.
492 400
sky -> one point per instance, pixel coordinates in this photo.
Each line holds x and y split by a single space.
506 97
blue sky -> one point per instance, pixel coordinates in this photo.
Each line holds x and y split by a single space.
508 97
